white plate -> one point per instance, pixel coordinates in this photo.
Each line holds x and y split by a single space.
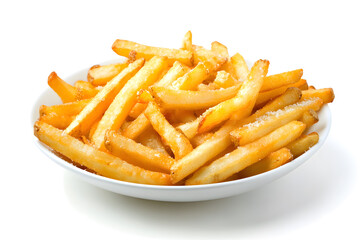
178 193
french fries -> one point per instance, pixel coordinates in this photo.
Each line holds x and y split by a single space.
182 116
101 162
123 48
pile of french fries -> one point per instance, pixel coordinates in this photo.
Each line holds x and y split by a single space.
182 116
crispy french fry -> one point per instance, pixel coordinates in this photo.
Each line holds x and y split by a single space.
201 138
179 116
136 127
58 121
211 59
221 138
118 110
192 79
247 155
85 89
270 162
220 49
271 121
270 94
303 143
100 75
281 79
309 117
326 94
136 153
123 48
187 42
64 90
102 163
70 108
243 102
207 87
137 109
178 143
150 138
237 67
224 79
191 100
98 105
176 71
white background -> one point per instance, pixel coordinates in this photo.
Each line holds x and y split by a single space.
39 200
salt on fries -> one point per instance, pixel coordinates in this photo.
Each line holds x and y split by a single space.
181 116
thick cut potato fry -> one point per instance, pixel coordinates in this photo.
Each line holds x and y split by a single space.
243 102
98 105
271 121
237 67
247 155
137 109
119 109
281 79
64 90
136 153
102 163
100 75
136 127
178 143
191 100
211 59
187 42
224 79
270 94
58 121
123 48
85 89
221 138
201 138
309 117
220 49
270 162
192 79
176 71
303 143
150 138
326 94
70 109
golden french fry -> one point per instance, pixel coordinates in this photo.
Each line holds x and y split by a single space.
85 89
119 109
224 79
221 138
211 59
150 138
220 49
100 75
101 162
136 127
201 138
281 79
243 102
178 143
247 155
192 79
169 98
271 121
270 162
70 108
123 48
176 71
270 94
237 67
303 143
187 42
326 94
58 121
137 109
309 117
136 153
98 105
64 90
